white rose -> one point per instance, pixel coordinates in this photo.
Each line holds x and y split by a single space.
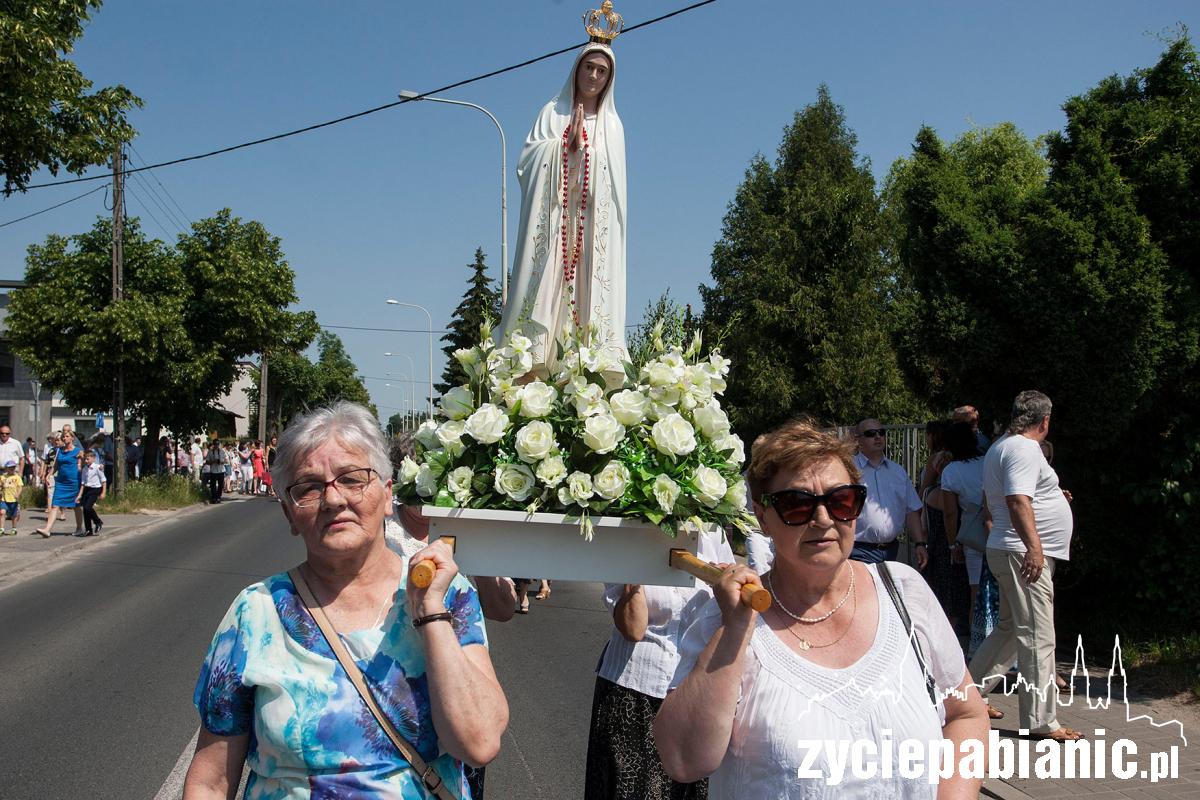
488 424
408 471
535 441
537 399
458 402
731 442
666 492
629 406
564 497
674 359
426 481
710 486
497 362
552 471
659 410
514 481
521 362
711 421
611 481
459 484
579 486
736 496
672 435
602 433
426 435
449 433
589 358
720 366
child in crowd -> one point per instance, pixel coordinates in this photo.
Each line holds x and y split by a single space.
10 495
92 488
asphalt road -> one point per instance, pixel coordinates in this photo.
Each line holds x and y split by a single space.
98 660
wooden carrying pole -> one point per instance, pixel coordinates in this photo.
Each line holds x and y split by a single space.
753 594
422 574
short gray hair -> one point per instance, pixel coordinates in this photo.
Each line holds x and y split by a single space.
1028 411
348 423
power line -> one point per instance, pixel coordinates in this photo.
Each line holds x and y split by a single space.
154 196
51 208
160 183
385 330
369 111
129 191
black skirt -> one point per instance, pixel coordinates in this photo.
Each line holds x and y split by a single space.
622 763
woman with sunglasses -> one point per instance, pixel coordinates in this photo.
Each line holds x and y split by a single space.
272 694
831 661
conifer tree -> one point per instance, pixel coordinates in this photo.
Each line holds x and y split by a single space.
481 301
798 297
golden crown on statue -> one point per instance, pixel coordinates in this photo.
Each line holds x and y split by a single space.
603 24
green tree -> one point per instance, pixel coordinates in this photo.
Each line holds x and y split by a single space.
296 384
799 298
49 117
480 302
189 315
678 327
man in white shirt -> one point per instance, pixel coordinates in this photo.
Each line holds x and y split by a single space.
197 454
1031 532
892 502
10 448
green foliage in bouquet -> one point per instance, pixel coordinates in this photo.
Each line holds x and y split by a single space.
599 437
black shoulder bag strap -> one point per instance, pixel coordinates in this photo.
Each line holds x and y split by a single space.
888 583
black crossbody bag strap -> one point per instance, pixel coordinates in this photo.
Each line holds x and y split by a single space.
888 583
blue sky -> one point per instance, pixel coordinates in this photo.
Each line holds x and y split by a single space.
394 204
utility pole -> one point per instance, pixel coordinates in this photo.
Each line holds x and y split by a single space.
262 398
118 294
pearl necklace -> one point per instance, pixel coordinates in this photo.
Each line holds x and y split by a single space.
823 617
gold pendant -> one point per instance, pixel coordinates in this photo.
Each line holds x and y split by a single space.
804 645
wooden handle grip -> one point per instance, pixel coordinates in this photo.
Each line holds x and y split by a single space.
424 570
753 594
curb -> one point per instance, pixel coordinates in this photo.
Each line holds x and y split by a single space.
10 576
999 790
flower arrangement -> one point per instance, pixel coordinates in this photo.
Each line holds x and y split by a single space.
598 438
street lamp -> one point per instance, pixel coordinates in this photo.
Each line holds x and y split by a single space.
412 384
404 412
429 318
411 95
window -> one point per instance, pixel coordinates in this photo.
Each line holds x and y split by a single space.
7 364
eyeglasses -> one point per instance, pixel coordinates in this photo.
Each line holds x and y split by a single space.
797 507
872 432
5 433
350 485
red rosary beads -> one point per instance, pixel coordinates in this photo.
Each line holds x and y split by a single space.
570 264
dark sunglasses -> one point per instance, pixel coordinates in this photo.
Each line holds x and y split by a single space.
874 432
797 507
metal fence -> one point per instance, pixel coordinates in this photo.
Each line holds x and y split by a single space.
905 446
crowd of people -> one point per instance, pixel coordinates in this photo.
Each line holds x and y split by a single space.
692 686
76 473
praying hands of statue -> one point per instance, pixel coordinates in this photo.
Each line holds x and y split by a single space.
576 129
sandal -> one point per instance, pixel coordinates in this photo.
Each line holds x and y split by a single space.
542 595
1063 734
524 607
994 713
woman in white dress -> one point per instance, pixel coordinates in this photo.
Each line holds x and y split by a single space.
569 263
829 662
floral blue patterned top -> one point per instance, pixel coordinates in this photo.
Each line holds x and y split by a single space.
270 673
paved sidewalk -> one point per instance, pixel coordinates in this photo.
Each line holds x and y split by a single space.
28 550
1117 721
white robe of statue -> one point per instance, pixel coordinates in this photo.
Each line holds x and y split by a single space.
539 295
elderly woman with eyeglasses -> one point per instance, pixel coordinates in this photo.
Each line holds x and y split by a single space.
272 695
760 700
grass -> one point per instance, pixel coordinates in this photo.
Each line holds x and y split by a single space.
1169 664
156 492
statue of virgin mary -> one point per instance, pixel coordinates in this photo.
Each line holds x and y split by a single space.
569 267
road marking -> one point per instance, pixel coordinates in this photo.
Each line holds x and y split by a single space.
172 788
